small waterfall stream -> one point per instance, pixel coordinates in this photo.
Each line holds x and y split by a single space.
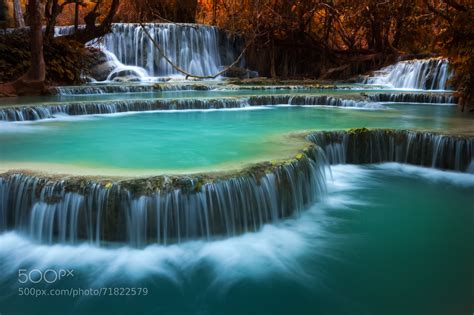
363 146
424 74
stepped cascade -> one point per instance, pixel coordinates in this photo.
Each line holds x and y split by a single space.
279 158
110 107
167 209
174 209
371 101
161 209
424 74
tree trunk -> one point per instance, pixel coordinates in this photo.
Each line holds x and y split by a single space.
214 12
19 20
37 71
94 30
33 81
272 60
76 16
3 11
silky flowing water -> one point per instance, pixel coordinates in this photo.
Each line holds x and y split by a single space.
385 240
379 239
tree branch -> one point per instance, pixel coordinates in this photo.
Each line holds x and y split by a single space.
181 70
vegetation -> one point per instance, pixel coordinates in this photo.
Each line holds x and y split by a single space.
457 42
64 59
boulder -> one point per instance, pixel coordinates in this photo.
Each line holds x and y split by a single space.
98 64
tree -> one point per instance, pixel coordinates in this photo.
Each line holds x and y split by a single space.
457 43
37 71
177 11
53 9
33 81
93 29
3 12
313 37
19 20
103 11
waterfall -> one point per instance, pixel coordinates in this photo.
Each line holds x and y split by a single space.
126 88
26 113
322 100
117 106
195 48
424 74
174 209
429 98
362 146
134 87
198 49
160 209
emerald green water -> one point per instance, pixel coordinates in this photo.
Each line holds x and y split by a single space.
388 239
192 140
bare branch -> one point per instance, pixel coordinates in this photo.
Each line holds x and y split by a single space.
181 70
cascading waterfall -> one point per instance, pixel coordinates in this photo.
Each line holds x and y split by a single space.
361 146
126 88
160 209
195 48
198 49
428 98
168 86
175 209
26 113
424 74
322 100
121 70
109 107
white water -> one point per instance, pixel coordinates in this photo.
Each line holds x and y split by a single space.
48 111
121 69
411 147
48 211
276 248
425 74
198 49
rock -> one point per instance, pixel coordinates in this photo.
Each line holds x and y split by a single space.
241 73
101 71
99 65
200 87
126 78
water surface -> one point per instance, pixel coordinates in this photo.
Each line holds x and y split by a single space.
194 140
371 247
